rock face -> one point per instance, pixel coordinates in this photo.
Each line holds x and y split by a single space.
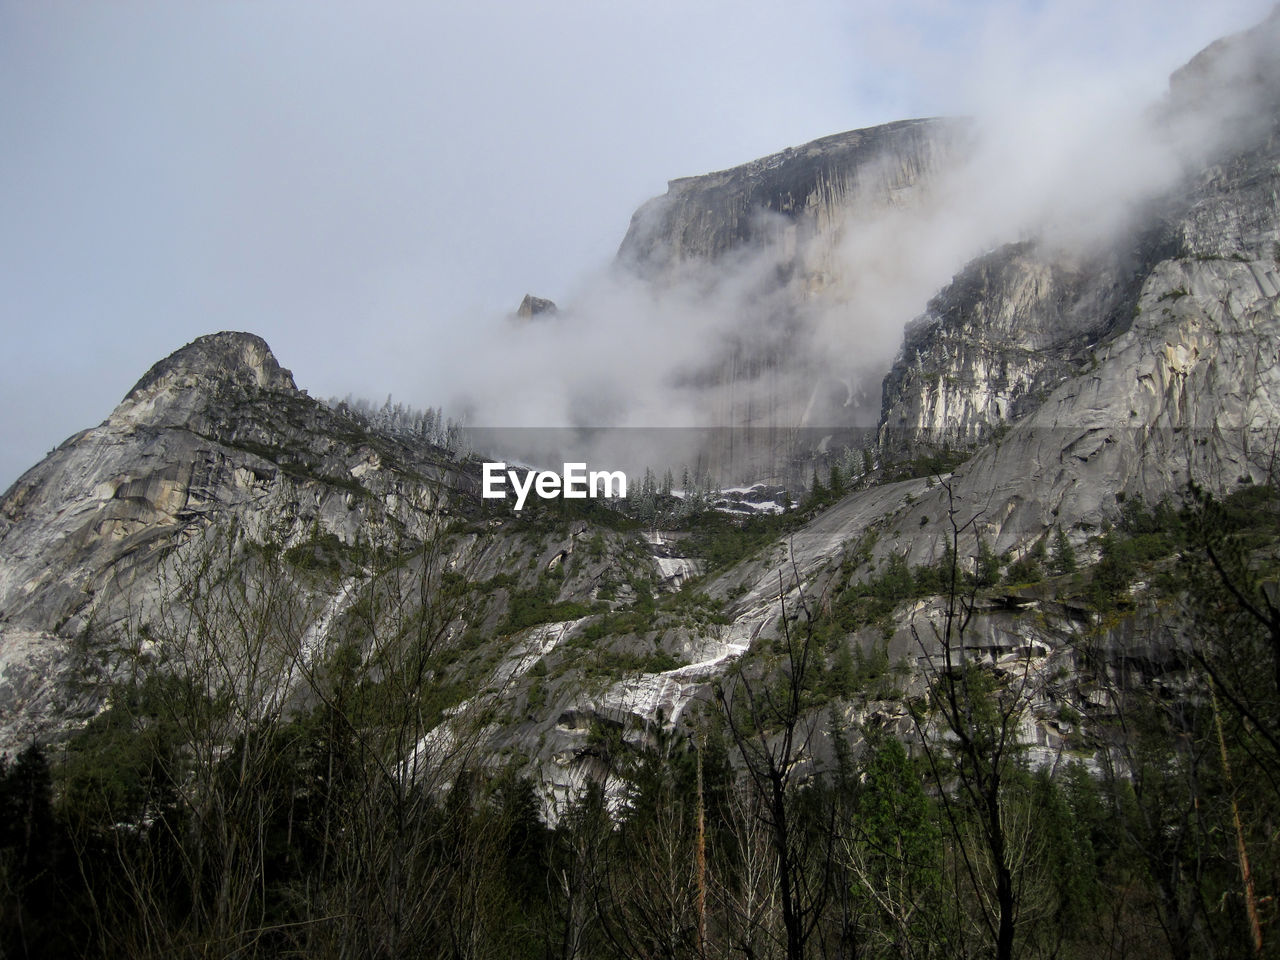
1008 329
532 306
759 249
1015 325
1189 390
230 359
791 197
216 433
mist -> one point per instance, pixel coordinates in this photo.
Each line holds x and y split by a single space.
797 334
373 192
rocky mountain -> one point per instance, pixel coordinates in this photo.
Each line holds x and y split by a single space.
214 436
762 250
1126 371
1037 391
792 198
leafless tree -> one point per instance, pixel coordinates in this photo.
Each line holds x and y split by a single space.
772 731
972 717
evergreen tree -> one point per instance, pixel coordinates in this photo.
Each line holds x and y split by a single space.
836 480
817 493
987 572
1062 557
895 852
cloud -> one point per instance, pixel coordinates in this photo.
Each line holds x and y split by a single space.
371 190
801 336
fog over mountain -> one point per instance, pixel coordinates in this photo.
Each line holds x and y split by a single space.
775 294
373 193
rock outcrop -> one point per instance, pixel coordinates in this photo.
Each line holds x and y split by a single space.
216 434
532 306
790 198
759 249
1013 326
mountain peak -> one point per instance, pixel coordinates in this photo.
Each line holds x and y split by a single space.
228 356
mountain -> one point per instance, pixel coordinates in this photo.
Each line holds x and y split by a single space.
216 434
793 197
1070 443
769 252
1063 381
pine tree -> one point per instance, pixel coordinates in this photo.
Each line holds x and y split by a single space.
1062 558
987 573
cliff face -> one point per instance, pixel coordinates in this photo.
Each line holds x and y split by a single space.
996 342
791 198
215 435
1009 328
1189 390
1017 323
761 248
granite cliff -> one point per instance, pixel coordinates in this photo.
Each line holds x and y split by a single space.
792 198
212 437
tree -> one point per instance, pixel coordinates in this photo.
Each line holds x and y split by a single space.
30 855
968 728
892 848
771 729
652 906
836 480
1062 557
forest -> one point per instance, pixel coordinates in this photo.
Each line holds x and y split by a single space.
213 810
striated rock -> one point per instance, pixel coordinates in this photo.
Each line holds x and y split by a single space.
1009 328
1191 390
1014 325
242 359
761 245
215 436
791 197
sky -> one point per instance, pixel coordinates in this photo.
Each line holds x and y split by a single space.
373 187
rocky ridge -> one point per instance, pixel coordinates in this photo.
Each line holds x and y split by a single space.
792 197
1015 324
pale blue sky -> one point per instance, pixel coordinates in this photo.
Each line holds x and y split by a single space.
360 183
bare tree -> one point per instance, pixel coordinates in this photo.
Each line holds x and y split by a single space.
973 718
772 731
744 888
